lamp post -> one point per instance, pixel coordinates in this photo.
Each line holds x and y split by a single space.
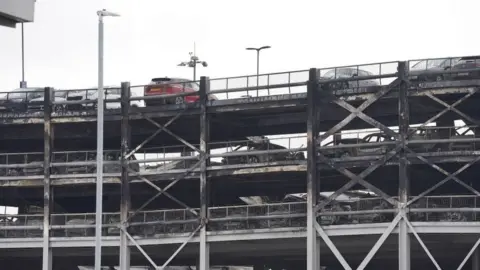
194 60
23 83
258 59
99 182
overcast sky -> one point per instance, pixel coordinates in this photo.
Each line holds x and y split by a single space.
153 36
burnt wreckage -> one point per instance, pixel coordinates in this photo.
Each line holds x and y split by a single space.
384 150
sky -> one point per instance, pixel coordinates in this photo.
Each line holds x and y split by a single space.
151 37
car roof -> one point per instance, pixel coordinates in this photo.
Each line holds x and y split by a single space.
28 89
167 79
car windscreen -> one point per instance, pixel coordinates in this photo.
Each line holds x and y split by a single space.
338 73
26 94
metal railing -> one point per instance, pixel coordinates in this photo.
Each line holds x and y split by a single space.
253 152
241 217
344 78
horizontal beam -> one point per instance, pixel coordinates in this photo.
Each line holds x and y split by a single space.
260 234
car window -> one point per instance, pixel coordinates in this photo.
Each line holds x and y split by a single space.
371 138
195 86
420 65
35 94
364 73
115 91
344 73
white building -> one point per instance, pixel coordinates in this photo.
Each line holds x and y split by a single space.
16 11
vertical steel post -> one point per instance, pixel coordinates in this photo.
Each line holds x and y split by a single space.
125 202
99 182
204 153
47 190
258 70
313 250
23 83
476 259
403 176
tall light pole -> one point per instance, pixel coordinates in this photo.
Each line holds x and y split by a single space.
194 60
258 60
23 83
99 182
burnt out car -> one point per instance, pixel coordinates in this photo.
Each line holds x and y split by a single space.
261 144
35 162
471 63
330 152
345 73
419 71
423 134
359 146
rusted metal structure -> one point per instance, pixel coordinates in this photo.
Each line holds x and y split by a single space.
180 209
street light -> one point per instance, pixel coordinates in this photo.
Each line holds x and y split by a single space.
23 83
194 60
258 60
99 183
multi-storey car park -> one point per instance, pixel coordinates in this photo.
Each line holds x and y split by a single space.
368 167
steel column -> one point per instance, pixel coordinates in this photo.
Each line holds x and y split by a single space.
476 259
313 250
403 177
204 262
47 190
125 202
99 174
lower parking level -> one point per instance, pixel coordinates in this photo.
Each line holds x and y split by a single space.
283 248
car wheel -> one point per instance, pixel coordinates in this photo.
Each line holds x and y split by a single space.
439 78
253 159
179 100
58 108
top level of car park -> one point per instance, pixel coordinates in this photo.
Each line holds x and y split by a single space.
239 107
27 102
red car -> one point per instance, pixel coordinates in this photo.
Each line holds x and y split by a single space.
168 86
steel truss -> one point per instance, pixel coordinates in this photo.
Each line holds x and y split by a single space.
202 163
126 173
314 229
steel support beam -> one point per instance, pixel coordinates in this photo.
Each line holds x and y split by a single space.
125 203
313 250
476 259
403 175
204 262
47 190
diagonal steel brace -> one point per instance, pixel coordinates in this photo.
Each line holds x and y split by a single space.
332 246
144 253
372 251
438 115
380 241
150 260
173 134
361 108
422 244
475 246
445 180
366 118
159 189
173 119
176 180
454 109
359 178
192 234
